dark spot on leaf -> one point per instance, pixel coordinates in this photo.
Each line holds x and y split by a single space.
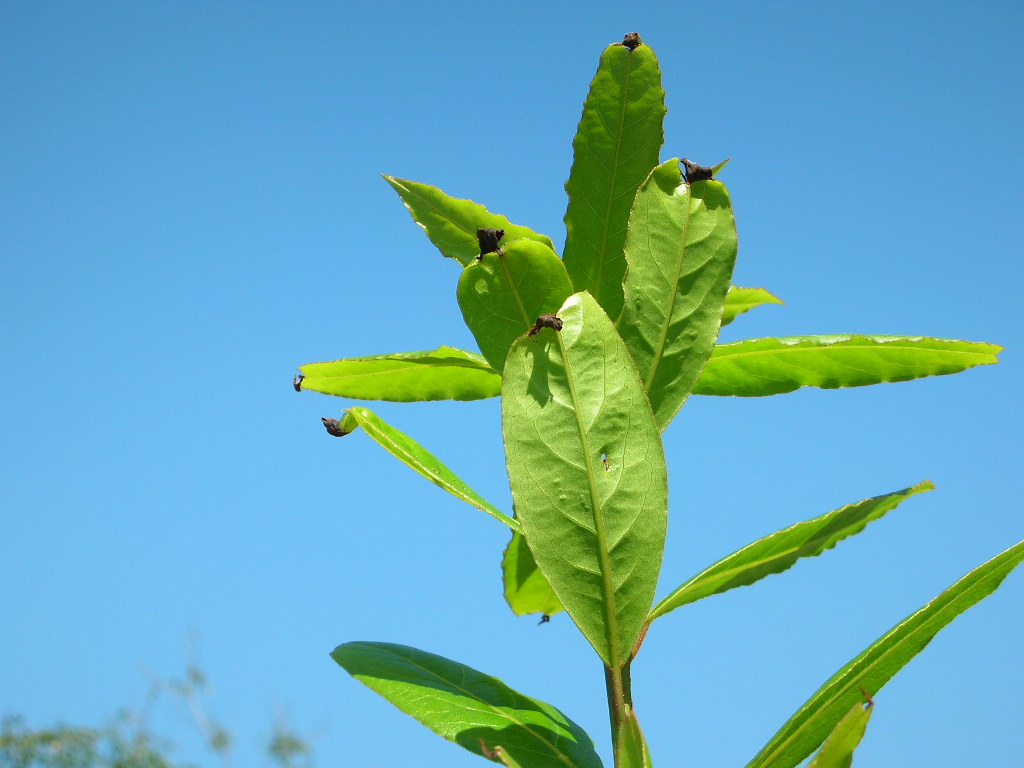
631 41
488 239
333 428
546 321
297 382
544 619
693 172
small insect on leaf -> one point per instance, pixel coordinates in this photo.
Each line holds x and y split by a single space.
333 427
546 321
693 172
489 239
297 382
631 41
544 619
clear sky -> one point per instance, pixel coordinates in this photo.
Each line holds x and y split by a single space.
191 207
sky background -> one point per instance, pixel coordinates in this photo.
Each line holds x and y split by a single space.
191 207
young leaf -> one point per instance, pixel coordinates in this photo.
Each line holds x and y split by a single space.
451 223
837 751
526 589
474 710
680 252
445 373
587 473
873 667
631 746
758 367
778 551
740 300
616 146
418 458
503 293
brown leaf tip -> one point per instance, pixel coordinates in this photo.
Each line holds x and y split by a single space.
297 382
631 41
488 239
546 321
333 427
693 172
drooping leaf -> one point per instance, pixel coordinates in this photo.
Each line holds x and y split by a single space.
778 551
418 458
680 252
502 294
616 146
740 300
526 589
631 747
587 472
874 666
837 751
445 373
451 223
476 711
772 366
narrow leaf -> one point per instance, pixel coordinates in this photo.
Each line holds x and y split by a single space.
631 747
502 294
778 551
837 751
740 300
526 589
873 667
772 366
587 472
474 710
418 458
441 374
616 146
451 223
680 252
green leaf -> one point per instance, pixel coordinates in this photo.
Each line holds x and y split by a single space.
873 667
502 294
526 589
587 473
680 251
779 551
418 458
451 223
616 146
631 747
476 711
740 300
445 373
758 367
837 751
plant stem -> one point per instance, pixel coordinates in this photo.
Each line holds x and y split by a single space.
620 699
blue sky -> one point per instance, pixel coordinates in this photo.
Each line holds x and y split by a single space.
191 207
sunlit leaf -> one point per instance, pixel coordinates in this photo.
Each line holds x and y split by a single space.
502 294
680 252
526 589
875 665
740 300
837 751
476 711
778 551
616 146
451 223
422 461
441 374
772 366
587 472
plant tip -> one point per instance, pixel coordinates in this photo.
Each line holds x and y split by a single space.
297 382
333 427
